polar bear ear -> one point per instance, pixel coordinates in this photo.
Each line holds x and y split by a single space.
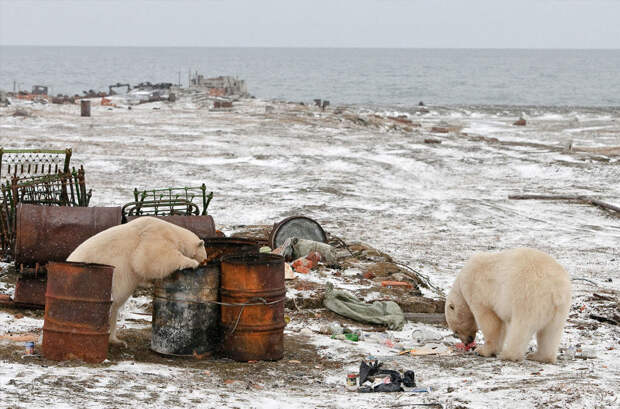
201 243
451 306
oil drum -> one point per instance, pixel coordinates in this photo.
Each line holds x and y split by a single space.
51 233
77 311
186 317
253 294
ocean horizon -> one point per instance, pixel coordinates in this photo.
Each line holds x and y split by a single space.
356 76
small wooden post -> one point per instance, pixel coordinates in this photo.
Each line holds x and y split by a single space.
85 105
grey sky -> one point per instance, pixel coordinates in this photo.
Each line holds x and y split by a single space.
314 23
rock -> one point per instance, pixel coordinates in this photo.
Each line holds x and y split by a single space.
20 112
445 129
420 304
431 140
520 122
381 269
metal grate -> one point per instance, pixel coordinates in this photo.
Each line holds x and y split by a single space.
32 162
169 201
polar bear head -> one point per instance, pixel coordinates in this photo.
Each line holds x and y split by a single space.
459 317
200 253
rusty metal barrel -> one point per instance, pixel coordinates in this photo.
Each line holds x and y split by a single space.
85 107
186 315
253 294
51 233
201 226
77 311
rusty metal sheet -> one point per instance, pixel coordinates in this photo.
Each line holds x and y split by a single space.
48 233
30 290
253 332
201 226
77 311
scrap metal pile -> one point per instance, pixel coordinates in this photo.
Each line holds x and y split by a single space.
45 214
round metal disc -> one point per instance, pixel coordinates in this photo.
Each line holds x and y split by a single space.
297 226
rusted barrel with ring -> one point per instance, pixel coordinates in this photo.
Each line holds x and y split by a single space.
253 294
186 315
51 233
77 311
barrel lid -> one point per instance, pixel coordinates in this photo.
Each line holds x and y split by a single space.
251 259
301 227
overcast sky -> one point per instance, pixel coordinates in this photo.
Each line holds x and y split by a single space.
314 23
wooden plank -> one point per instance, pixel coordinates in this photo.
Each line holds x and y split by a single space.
427 318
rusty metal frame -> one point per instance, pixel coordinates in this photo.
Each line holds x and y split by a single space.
33 162
168 201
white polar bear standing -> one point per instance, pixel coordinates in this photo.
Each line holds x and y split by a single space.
510 296
144 249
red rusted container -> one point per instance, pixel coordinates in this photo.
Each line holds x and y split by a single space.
201 226
30 290
51 233
254 331
77 311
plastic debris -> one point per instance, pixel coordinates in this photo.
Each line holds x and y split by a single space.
289 274
390 383
302 248
429 349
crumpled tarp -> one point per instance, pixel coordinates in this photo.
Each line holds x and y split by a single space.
379 312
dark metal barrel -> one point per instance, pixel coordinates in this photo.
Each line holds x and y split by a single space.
253 321
85 107
51 233
201 226
77 311
186 320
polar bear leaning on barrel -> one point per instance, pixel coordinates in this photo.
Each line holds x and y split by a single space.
510 296
144 249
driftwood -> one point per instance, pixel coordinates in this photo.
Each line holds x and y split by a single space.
571 198
427 318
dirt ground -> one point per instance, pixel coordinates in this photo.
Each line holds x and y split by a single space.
429 192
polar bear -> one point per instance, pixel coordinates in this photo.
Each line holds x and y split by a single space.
510 296
144 249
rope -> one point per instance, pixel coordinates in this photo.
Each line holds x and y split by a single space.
243 305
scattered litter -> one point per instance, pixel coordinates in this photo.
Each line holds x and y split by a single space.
430 349
390 383
391 284
302 248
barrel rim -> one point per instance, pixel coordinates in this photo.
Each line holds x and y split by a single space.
229 240
280 224
79 264
253 259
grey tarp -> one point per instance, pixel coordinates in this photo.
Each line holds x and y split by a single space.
379 312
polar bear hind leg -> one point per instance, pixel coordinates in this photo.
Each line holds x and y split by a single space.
519 332
548 338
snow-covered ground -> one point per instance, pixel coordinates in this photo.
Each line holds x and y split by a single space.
428 205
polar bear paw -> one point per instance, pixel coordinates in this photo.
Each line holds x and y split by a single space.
485 350
116 341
